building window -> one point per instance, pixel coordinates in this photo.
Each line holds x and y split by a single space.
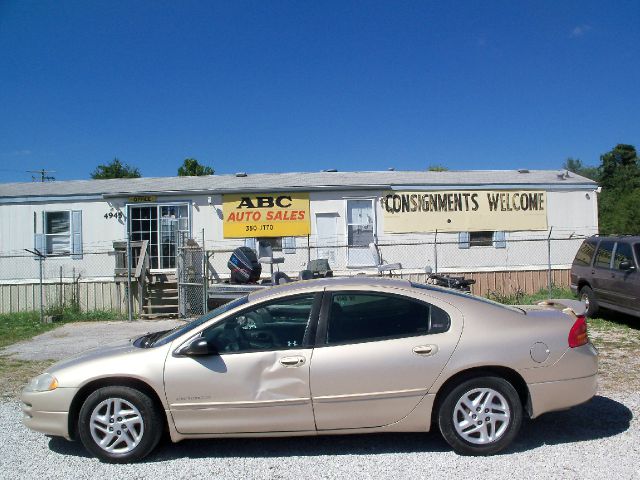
482 239
274 242
57 230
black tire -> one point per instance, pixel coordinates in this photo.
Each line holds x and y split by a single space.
504 431
589 297
124 446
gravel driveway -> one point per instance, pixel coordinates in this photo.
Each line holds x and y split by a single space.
597 440
74 338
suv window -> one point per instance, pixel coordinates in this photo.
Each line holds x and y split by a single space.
623 254
358 317
278 325
585 254
603 257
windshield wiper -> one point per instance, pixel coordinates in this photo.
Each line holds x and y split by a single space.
147 340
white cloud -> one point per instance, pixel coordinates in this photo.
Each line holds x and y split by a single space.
580 30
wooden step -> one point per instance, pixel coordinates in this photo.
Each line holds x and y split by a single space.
161 306
155 316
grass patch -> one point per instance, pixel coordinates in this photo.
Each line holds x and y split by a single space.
15 327
521 298
14 374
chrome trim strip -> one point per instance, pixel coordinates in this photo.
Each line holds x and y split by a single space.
251 404
357 397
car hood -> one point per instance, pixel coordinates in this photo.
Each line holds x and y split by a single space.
121 347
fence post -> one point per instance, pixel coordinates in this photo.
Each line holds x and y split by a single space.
40 259
549 261
129 296
435 251
205 277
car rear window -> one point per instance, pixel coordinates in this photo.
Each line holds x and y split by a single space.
452 291
365 317
585 254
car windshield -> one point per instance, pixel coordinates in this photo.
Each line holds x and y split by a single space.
171 335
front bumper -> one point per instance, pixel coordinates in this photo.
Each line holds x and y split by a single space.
48 412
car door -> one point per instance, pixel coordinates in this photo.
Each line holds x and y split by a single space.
625 283
601 279
377 353
259 381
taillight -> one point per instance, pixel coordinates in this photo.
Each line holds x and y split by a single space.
578 333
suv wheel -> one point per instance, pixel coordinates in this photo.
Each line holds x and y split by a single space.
119 424
589 299
481 416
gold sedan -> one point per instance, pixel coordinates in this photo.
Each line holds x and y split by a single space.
325 357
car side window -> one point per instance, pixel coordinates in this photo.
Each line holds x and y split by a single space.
603 257
367 317
623 254
585 254
278 325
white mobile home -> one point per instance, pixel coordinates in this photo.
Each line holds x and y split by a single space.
454 221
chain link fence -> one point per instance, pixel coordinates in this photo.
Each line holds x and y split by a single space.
90 283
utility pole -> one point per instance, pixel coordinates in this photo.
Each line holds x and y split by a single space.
44 177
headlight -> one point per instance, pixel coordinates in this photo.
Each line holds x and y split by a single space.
42 383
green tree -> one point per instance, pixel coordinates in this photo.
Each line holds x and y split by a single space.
437 168
115 169
575 165
619 201
191 168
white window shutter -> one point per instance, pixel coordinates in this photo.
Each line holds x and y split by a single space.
289 244
76 234
464 240
250 242
40 243
499 240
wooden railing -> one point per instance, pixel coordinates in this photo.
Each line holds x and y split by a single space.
142 270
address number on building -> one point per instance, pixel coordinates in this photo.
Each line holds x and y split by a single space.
113 215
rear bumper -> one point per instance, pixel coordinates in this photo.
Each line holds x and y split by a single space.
574 289
48 412
561 394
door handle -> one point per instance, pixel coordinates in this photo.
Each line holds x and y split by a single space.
296 361
425 350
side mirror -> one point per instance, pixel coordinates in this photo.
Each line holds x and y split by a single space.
198 347
626 266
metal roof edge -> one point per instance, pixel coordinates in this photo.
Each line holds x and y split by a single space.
497 186
46 199
222 191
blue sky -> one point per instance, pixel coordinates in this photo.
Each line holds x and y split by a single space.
274 86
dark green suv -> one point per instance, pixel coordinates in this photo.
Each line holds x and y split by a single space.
605 274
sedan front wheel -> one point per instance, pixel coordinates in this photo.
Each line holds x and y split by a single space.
480 416
119 424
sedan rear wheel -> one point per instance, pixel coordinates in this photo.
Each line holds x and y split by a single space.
480 416
119 424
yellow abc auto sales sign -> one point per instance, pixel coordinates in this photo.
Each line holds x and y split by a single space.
266 215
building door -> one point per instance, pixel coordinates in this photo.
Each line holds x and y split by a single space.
161 226
327 236
360 231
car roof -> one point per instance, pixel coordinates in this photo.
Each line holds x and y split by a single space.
347 282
